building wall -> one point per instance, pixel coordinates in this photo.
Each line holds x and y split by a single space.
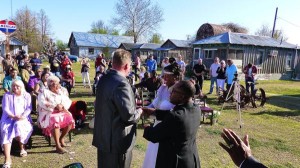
257 55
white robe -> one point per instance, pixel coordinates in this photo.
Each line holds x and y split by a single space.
162 102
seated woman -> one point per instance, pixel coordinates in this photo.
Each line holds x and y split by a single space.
42 84
15 120
53 113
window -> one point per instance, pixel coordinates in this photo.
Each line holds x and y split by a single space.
259 57
165 54
288 63
91 51
196 53
239 54
209 54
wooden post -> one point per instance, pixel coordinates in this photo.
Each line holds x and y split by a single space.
7 46
274 23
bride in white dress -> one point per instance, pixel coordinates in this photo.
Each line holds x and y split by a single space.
162 102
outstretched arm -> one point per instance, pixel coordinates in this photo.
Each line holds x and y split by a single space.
239 150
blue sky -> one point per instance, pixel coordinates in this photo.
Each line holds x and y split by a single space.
181 17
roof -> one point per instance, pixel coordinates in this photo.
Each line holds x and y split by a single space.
99 40
17 42
151 46
128 46
177 43
164 49
181 43
244 39
13 40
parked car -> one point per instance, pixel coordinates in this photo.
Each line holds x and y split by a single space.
73 58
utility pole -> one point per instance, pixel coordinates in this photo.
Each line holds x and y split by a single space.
274 23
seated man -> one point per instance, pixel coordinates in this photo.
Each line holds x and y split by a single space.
176 133
8 80
152 83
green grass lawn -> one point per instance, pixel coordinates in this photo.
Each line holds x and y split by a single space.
273 131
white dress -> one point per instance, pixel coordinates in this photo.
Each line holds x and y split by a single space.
162 102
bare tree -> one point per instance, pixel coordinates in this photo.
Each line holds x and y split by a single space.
234 27
26 26
265 30
43 26
32 28
139 17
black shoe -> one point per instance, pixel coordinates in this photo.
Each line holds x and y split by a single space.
209 93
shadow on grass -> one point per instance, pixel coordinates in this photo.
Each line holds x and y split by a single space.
279 113
291 103
80 94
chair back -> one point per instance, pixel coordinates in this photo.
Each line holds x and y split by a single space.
147 97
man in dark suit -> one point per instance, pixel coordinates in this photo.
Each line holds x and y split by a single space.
115 115
176 133
239 150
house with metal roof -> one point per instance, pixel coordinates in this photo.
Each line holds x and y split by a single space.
90 44
145 49
274 58
128 46
14 45
174 48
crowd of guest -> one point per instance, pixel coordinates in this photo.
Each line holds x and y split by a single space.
33 88
172 137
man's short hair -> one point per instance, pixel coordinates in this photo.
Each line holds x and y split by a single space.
186 87
121 57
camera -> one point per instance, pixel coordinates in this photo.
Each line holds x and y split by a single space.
235 76
22 52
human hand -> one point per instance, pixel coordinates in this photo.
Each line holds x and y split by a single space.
18 117
148 111
60 107
146 125
237 149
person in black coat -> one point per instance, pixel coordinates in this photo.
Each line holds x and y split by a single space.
116 115
239 150
176 133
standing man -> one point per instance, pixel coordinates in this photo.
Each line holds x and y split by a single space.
199 70
181 65
137 65
231 69
7 63
213 75
116 115
250 71
177 132
100 61
35 62
151 64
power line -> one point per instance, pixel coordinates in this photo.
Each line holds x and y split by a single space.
289 22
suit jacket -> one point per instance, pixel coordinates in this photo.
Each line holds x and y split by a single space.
251 162
176 135
115 114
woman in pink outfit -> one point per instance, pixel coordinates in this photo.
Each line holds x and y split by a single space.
15 120
53 113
